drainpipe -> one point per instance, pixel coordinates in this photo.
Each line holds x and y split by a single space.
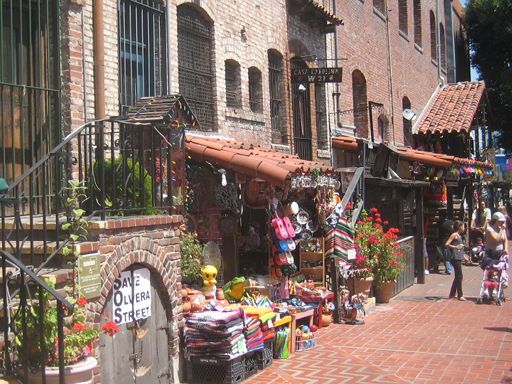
168 42
390 77
99 59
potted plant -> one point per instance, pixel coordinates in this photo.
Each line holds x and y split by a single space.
79 341
360 276
376 242
191 251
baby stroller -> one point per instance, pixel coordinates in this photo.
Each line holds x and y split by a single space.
476 246
494 280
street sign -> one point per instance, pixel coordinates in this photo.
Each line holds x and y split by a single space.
316 75
89 279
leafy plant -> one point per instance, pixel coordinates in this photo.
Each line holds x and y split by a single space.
191 250
79 337
128 187
377 251
76 226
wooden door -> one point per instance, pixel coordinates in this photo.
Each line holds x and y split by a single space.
139 352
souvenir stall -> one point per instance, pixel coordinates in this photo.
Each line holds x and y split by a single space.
266 214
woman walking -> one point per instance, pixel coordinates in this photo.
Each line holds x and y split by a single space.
455 244
496 241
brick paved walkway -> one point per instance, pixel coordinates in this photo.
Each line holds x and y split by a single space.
420 337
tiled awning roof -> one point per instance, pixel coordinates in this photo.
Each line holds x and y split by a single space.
441 160
452 109
331 17
252 160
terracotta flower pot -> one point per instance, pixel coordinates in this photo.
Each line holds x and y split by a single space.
383 292
79 373
326 319
357 285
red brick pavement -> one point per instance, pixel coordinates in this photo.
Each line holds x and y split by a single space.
420 337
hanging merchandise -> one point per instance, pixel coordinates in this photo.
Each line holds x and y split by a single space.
340 240
226 197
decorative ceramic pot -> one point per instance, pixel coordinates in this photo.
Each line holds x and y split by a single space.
383 292
357 286
326 319
79 373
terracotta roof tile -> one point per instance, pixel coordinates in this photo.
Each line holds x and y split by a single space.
328 14
441 160
274 167
345 142
453 108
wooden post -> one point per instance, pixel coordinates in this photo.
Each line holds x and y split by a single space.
336 289
419 237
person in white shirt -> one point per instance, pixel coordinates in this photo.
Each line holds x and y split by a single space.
481 217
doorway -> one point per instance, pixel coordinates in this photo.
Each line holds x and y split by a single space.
139 352
301 115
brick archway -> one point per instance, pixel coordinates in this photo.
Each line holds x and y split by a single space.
146 252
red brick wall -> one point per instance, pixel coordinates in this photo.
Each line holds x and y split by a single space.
362 43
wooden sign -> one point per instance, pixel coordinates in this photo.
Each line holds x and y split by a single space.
89 280
316 75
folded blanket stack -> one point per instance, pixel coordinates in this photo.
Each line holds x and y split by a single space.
253 334
214 333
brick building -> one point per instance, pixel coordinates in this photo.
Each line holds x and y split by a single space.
398 64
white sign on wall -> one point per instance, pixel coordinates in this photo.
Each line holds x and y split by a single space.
132 296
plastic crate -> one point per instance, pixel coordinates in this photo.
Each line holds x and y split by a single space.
304 345
267 355
251 363
214 370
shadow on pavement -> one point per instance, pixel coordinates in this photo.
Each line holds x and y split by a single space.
499 329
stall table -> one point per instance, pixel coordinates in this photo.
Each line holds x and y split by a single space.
317 301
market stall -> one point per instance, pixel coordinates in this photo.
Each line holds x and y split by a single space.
262 218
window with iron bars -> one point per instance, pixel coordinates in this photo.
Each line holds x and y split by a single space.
195 64
275 69
233 84
255 90
29 85
142 50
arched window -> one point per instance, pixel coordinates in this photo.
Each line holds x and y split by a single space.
403 16
442 42
417 22
379 6
360 103
255 90
233 84
142 56
407 122
433 37
276 89
195 63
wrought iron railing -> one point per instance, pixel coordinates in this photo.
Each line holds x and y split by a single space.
125 169
21 288
406 277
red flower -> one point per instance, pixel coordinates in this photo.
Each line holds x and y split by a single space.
110 328
386 222
377 215
373 240
81 301
78 327
374 210
378 220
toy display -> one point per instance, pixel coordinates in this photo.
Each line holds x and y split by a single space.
209 274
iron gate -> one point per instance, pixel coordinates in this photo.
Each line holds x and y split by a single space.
406 278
